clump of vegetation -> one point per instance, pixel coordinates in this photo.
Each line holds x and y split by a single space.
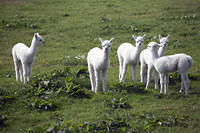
144 123
117 103
41 103
149 122
5 98
112 126
60 82
19 24
45 86
173 77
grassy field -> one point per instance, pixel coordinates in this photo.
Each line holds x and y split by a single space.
71 28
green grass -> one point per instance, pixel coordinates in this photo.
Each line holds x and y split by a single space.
71 28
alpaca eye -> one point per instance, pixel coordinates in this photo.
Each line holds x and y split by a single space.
40 40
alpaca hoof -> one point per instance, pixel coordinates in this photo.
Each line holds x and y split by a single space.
156 87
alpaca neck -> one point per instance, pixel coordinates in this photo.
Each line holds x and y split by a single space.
154 55
106 55
136 53
161 51
33 47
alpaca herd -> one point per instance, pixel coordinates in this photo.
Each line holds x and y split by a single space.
98 61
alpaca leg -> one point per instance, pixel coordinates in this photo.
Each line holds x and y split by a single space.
120 66
17 70
21 72
16 64
92 77
25 72
29 72
186 82
125 67
104 76
134 71
166 82
143 72
149 75
162 82
156 79
97 76
182 85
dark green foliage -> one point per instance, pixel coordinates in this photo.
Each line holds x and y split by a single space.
105 126
60 82
3 118
194 76
174 77
41 103
82 72
117 103
145 123
113 126
56 83
149 122
5 98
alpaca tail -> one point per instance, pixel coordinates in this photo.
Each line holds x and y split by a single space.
190 61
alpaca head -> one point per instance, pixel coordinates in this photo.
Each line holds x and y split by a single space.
38 39
106 44
139 40
153 46
164 40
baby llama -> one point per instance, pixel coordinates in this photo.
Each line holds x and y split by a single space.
24 56
98 61
129 54
146 64
166 64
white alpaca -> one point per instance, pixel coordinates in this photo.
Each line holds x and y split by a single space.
166 64
98 60
24 56
146 64
129 54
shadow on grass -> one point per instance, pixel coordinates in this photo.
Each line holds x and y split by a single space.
138 88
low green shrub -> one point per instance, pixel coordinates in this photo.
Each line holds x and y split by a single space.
58 82
45 87
145 123
148 122
117 103
41 103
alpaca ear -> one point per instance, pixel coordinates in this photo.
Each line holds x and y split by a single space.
168 36
36 35
134 37
100 39
111 40
144 35
160 36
